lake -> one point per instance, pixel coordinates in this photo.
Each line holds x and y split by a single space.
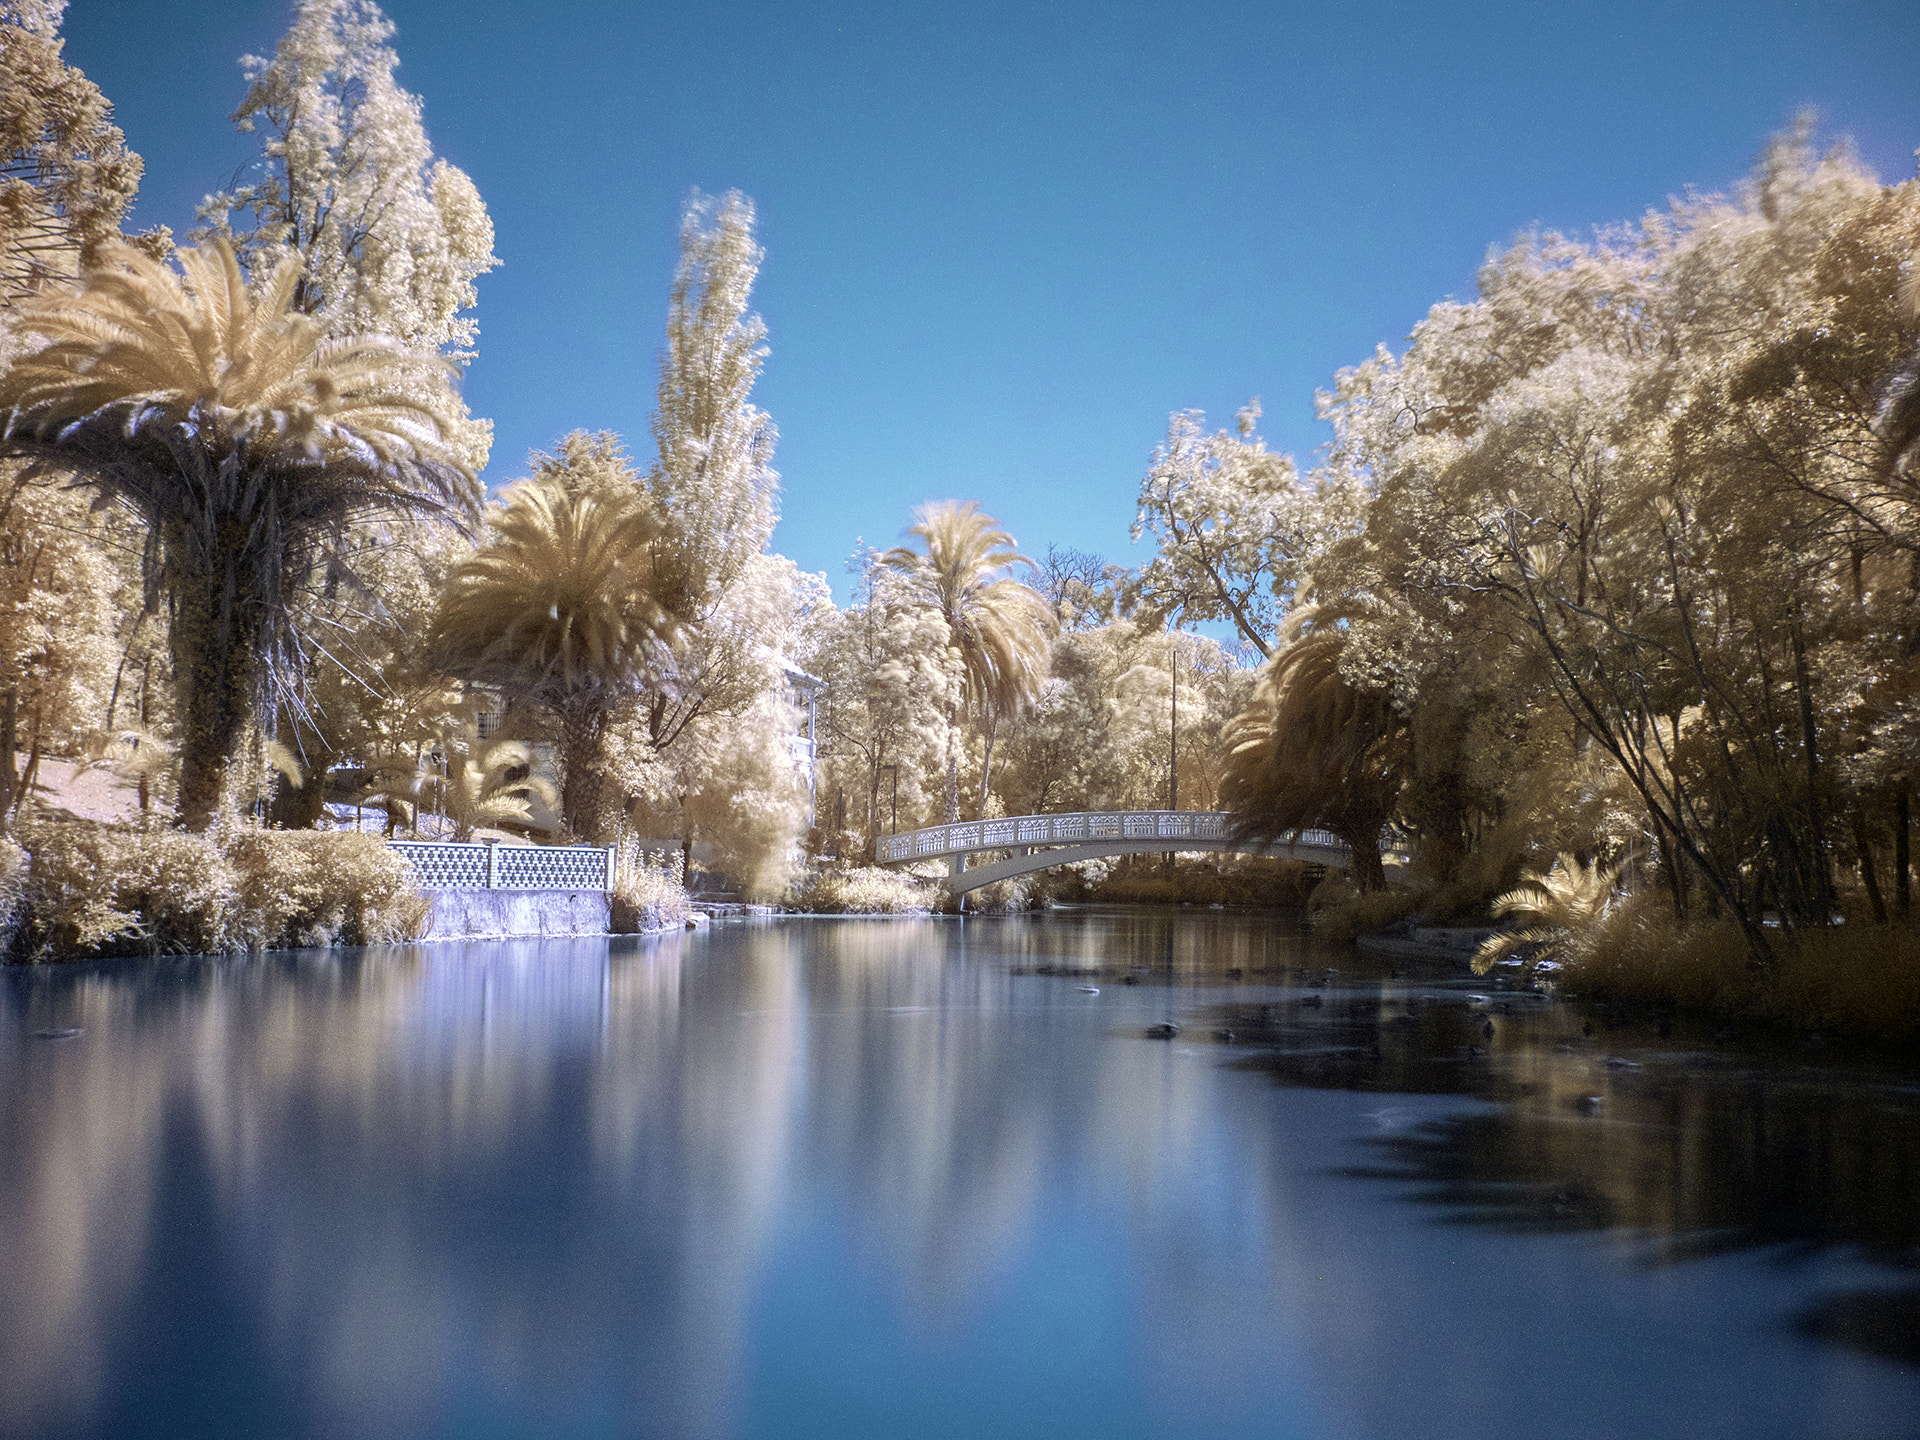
933 1177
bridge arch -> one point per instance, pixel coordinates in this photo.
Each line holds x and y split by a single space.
1038 842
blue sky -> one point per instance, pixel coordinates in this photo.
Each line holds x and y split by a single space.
1003 241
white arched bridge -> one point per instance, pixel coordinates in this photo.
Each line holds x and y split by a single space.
1038 841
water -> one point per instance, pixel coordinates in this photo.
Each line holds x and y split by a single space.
909 1178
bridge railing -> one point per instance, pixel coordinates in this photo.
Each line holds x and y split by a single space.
446 865
1212 828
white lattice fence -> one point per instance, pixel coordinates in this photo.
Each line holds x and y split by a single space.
448 866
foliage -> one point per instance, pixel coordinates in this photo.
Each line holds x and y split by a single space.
562 609
1557 906
892 682
1314 749
1855 980
388 239
374 701
1639 508
998 629
1340 912
244 440
493 784
300 888
1100 735
1236 526
731 775
66 175
713 482
1241 881
117 890
861 890
57 624
645 899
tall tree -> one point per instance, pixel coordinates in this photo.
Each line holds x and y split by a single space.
390 239
713 480
1000 629
66 175
712 485
244 440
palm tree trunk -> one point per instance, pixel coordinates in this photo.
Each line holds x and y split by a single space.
583 772
213 676
952 806
986 764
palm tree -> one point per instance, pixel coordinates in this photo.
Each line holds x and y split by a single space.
1002 629
561 611
493 784
245 440
1558 906
1314 749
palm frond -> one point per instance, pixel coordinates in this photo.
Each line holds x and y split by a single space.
1003 629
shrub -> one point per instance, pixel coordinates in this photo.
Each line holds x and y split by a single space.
644 899
1858 979
1341 912
862 890
308 887
1005 897
142 889
1254 881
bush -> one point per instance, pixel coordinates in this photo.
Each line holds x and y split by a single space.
645 899
1005 897
307 887
862 890
1857 979
140 889
1341 912
1255 882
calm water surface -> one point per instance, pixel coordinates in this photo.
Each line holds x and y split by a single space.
913 1178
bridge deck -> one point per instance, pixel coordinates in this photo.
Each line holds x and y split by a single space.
1039 841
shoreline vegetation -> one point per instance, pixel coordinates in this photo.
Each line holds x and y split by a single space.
84 890
1600 595
131 889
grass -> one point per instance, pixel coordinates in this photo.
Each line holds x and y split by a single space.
1860 980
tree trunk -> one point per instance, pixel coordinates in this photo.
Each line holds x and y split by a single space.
583 723
32 775
1902 856
1864 849
1368 873
952 806
215 624
9 777
986 764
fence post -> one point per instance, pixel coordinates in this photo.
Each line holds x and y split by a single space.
610 868
493 867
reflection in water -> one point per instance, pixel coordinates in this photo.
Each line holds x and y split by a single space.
847 1177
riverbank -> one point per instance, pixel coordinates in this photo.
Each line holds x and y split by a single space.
1858 984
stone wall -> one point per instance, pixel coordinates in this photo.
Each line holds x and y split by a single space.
471 914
